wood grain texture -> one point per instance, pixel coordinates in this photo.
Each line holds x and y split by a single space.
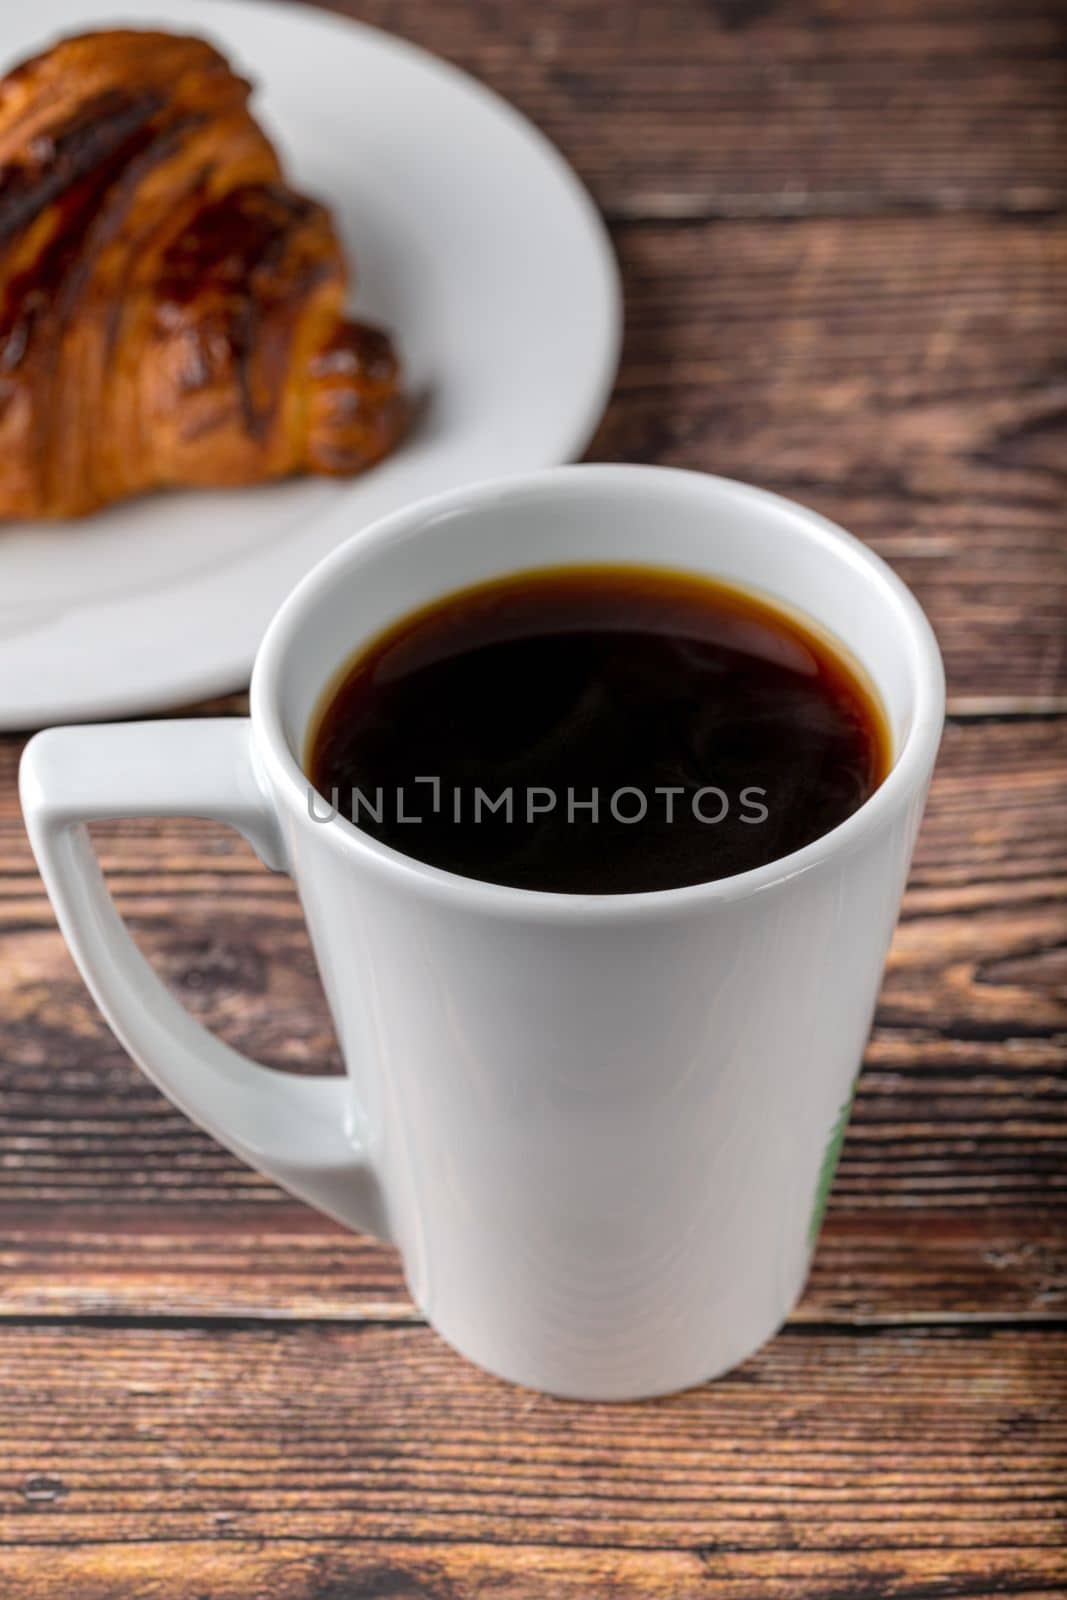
890 1458
233 1568
881 1267
776 108
905 376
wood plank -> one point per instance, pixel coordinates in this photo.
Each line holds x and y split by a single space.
896 1455
774 108
950 1196
226 1568
286 1263
902 375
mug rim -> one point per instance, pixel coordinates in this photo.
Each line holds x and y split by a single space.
902 783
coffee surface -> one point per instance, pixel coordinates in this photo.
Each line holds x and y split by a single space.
598 730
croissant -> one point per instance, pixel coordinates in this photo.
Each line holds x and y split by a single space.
171 312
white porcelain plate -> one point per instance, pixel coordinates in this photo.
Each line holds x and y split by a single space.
472 240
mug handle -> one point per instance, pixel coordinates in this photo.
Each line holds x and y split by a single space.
296 1130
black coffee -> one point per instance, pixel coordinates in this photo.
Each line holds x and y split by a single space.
598 730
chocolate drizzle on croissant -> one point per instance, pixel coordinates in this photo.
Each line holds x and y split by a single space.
170 311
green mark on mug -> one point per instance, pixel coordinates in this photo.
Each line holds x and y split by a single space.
828 1168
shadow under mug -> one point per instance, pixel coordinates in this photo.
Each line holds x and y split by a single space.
599 1129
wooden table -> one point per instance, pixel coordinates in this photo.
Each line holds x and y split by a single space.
842 232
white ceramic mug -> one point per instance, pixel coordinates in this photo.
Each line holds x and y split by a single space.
598 1128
